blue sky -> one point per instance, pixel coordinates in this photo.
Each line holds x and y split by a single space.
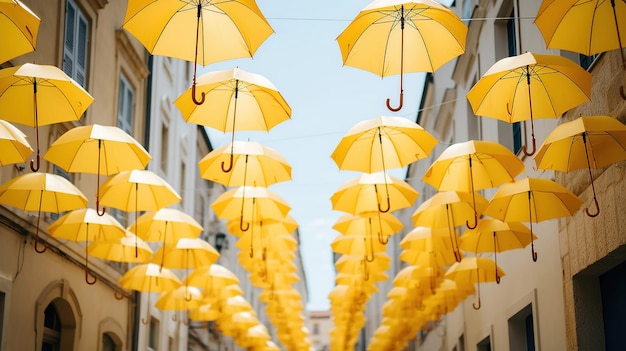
302 59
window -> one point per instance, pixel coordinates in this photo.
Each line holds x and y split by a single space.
316 329
461 343
107 343
52 329
521 330
612 291
60 172
165 139
512 45
484 344
183 176
125 106
153 337
586 61
76 43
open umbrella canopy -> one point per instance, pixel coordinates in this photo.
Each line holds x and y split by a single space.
586 27
356 245
253 165
181 298
367 193
381 225
149 277
166 225
383 143
424 238
137 190
448 209
15 147
211 279
186 253
39 95
493 235
19 27
86 225
530 86
474 270
393 36
42 192
586 142
127 249
265 226
205 312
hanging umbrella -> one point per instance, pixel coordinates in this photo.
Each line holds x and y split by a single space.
530 86
112 149
137 190
199 31
587 27
205 312
365 194
128 249
493 235
252 164
19 27
473 165
448 209
166 225
246 203
532 200
474 270
385 224
149 278
39 95
358 264
15 147
267 242
41 192
601 139
265 226
183 298
84 225
186 253
375 40
212 279
383 143
357 245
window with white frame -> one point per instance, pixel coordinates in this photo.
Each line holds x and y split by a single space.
522 331
76 43
125 105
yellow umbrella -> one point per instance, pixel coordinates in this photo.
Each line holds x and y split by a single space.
448 209
198 31
248 204
586 27
602 140
474 270
186 253
269 242
530 86
15 147
375 40
181 298
127 249
364 193
19 27
532 200
114 151
265 226
41 192
383 143
205 312
251 164
385 224
471 166
149 278
358 264
493 235
38 95
212 279
357 245
166 225
86 225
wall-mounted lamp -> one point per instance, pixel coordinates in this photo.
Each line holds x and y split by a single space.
220 242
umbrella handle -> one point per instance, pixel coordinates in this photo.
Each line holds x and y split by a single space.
193 95
174 317
475 222
100 213
144 321
241 226
530 153
32 163
118 295
36 246
396 109
497 276
382 239
230 167
595 201
476 307
90 282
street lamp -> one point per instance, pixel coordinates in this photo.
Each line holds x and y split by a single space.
220 242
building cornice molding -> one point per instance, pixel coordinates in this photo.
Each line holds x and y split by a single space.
125 46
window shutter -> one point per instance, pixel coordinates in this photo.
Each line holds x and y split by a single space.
68 49
81 51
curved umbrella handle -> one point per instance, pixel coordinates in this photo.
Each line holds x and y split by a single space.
382 239
193 95
174 316
475 221
118 295
534 253
530 153
243 229
497 276
457 255
230 167
100 213
32 163
476 307
396 109
595 201
144 321
45 247
388 206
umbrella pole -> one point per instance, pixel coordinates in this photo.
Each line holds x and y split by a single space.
532 123
366 272
380 231
396 109
595 199
232 138
195 63
532 242
473 197
367 253
98 183
619 41
90 282
187 295
146 320
164 239
136 210
32 162
452 234
477 307
45 247
382 156
241 221
495 255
